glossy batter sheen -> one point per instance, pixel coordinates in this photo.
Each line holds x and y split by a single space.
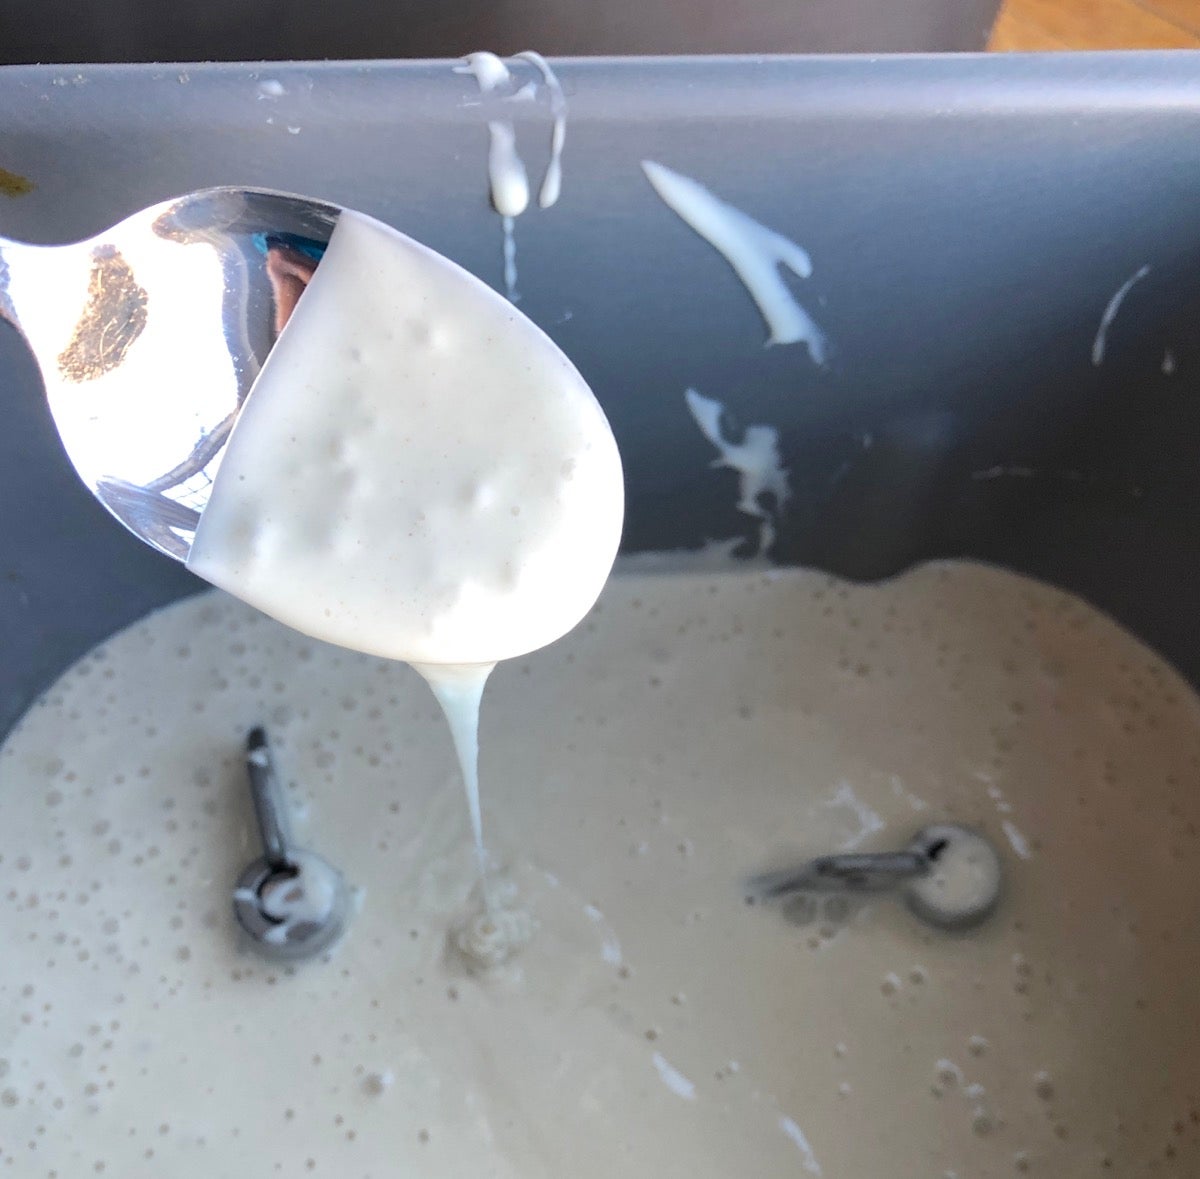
419 472
701 729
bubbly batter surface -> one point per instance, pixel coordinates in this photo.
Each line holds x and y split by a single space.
693 731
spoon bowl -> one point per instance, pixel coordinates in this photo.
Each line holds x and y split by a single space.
150 335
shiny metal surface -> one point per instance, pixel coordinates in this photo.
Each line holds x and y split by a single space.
291 903
150 335
909 874
950 906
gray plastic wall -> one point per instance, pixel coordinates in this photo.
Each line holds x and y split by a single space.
969 220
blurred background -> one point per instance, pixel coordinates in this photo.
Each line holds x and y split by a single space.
63 31
1096 24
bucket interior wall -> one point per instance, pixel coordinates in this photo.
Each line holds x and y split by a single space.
969 222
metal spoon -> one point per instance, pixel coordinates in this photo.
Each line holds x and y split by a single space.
291 903
949 876
150 334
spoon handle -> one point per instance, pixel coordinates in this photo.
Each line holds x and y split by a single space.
268 806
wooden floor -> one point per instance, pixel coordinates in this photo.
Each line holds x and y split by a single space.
1097 24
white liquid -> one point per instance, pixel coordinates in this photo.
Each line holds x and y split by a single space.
510 185
418 473
459 690
508 180
551 188
756 459
700 730
755 253
508 225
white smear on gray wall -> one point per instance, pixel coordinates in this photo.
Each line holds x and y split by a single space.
552 180
755 252
508 180
756 459
1110 313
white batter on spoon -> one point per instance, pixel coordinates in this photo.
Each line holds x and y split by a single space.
418 473
700 729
